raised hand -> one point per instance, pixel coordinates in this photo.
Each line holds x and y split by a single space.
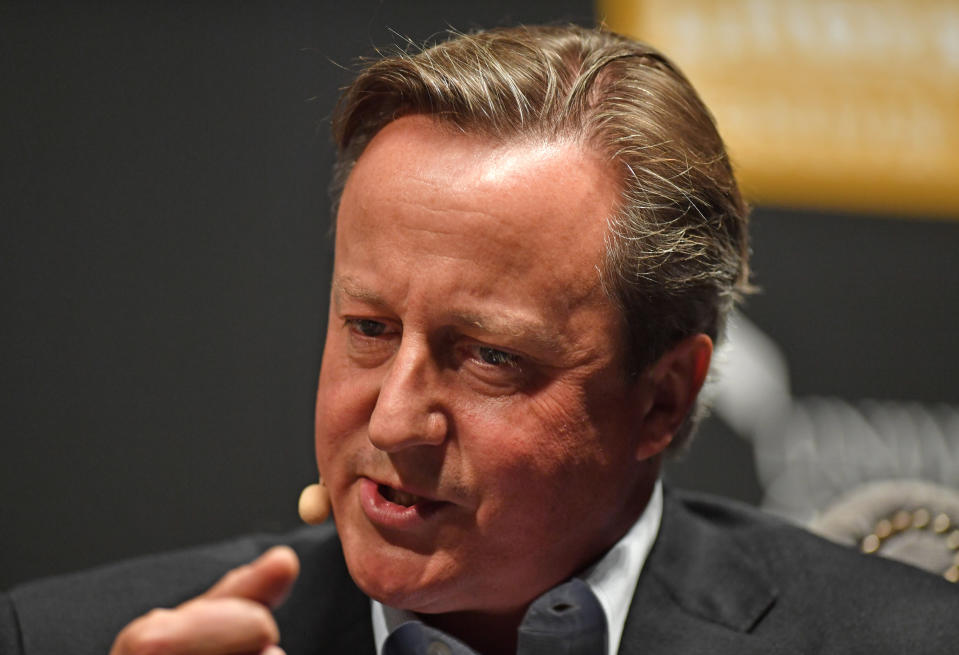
231 618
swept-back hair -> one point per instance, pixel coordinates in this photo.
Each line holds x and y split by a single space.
677 248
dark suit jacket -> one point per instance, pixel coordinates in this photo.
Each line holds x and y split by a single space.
721 578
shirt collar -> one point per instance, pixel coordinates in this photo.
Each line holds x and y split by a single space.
613 578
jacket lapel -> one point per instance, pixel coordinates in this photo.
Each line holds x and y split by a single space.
701 591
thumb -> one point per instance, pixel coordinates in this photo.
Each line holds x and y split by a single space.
266 580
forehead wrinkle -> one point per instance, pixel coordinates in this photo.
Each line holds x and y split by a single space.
457 220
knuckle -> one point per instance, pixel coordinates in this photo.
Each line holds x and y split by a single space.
265 626
148 635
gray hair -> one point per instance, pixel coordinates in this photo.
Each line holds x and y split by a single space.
677 248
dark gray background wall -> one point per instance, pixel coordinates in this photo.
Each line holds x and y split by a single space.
163 267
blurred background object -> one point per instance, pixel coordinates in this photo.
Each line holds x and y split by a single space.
165 261
909 520
880 475
835 104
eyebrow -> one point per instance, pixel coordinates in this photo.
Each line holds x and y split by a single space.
533 335
529 331
351 287
506 325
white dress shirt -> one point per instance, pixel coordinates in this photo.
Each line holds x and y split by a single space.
613 578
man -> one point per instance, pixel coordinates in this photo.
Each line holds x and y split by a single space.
538 239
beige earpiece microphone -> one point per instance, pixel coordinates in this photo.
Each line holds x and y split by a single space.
314 504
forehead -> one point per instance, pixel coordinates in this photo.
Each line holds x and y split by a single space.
522 205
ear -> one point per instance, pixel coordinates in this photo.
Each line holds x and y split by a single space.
669 388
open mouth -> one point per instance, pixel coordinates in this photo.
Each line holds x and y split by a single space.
396 509
400 497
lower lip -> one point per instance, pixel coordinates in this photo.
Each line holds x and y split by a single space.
384 513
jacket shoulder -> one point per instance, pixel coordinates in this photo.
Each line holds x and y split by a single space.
795 557
82 612
754 573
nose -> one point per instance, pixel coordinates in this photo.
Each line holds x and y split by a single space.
408 410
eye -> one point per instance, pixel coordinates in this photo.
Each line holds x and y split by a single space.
495 357
366 327
492 371
370 342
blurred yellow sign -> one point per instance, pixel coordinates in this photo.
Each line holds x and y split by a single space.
850 104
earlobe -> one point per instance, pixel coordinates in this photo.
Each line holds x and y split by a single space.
669 388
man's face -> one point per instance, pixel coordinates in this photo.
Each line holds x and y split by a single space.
473 422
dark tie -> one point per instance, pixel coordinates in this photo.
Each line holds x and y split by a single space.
566 620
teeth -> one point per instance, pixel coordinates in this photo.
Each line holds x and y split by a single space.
405 499
399 497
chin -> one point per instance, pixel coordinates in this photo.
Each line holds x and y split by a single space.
390 574
402 594
398 583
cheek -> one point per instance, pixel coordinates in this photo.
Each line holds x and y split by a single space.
555 458
530 453
344 402
567 433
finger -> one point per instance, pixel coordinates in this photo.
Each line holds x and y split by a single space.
202 626
266 579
